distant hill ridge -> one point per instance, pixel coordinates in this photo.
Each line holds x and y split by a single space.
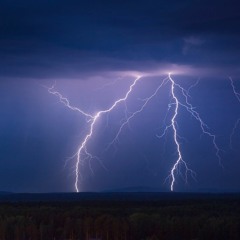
119 195
134 189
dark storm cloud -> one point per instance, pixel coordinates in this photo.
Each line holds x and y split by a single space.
63 38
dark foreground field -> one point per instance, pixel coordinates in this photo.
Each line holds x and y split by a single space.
119 216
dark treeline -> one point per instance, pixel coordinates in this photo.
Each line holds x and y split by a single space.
121 220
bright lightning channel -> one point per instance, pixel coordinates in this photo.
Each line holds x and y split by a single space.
237 94
173 125
132 115
93 120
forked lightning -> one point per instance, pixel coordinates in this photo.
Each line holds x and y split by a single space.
175 103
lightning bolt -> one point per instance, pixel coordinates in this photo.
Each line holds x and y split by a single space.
237 95
82 150
66 102
176 104
132 115
233 132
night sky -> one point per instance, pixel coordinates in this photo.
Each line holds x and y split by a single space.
92 51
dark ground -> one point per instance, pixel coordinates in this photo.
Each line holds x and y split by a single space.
123 216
